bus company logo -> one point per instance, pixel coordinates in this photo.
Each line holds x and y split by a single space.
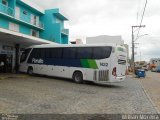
37 61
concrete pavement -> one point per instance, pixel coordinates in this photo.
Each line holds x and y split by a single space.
49 95
4 76
152 87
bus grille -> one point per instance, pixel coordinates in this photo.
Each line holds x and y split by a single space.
103 75
95 75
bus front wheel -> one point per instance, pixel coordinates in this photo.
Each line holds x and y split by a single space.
78 77
30 71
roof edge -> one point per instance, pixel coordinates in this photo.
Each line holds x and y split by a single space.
33 5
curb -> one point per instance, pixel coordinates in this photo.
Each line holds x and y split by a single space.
153 104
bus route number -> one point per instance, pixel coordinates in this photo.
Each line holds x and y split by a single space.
104 64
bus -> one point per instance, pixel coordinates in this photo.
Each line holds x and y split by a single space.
96 63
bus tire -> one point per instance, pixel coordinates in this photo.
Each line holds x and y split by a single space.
30 70
78 77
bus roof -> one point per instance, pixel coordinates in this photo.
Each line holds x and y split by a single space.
71 45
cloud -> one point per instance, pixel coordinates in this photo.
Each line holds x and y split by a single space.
149 48
111 17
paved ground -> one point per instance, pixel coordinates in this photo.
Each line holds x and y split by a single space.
152 87
13 76
50 95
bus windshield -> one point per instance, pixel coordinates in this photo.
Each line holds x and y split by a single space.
25 54
121 55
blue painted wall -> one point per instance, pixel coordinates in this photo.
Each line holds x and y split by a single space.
26 17
56 20
12 3
64 39
4 23
49 25
52 25
25 30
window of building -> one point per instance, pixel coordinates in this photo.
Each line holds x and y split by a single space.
14 27
5 2
58 20
35 33
25 12
34 19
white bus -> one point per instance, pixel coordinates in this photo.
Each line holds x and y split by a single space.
97 63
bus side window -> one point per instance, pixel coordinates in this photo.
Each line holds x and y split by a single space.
42 53
101 52
97 53
69 53
84 53
36 53
47 53
56 53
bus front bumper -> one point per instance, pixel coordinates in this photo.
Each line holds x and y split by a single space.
121 78
115 80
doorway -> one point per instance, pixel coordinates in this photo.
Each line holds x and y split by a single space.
7 60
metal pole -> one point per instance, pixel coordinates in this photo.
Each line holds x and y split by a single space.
133 60
133 65
17 47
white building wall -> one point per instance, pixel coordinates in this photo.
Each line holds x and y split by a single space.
104 39
79 41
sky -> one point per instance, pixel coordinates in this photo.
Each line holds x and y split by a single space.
112 17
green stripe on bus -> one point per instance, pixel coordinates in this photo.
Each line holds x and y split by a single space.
84 63
89 63
92 64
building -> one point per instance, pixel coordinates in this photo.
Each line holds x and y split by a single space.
102 39
23 23
78 41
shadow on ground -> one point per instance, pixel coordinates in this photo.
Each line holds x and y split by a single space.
107 85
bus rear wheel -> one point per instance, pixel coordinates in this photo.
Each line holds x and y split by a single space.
78 77
30 71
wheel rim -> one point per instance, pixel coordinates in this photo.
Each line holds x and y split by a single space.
77 78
